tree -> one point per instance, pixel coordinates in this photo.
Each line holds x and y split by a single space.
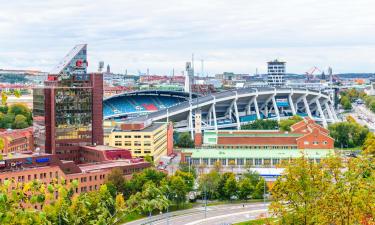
116 178
348 134
149 159
179 190
345 102
1 147
325 193
20 122
209 183
261 125
286 124
150 199
245 188
260 189
4 98
230 187
185 141
187 177
221 190
368 147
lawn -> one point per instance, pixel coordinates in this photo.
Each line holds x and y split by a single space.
255 222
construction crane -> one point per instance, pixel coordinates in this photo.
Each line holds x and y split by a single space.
310 73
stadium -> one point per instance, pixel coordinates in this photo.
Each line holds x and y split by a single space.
138 103
228 109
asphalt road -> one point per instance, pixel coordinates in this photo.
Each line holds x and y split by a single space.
364 116
216 215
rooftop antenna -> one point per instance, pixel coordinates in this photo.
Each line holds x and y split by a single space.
173 72
202 66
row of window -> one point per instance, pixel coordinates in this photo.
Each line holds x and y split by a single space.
35 176
240 161
135 136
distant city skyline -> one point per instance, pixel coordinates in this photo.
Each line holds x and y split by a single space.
235 36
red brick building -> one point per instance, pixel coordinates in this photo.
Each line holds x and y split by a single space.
17 140
98 163
305 134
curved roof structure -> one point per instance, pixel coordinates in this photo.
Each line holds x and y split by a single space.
137 103
236 107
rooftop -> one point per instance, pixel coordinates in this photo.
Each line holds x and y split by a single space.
152 127
258 153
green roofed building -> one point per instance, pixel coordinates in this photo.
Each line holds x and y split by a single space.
254 157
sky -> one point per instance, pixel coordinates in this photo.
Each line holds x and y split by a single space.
235 35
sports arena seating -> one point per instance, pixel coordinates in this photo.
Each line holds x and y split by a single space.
133 104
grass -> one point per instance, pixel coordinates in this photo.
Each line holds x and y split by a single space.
256 222
134 216
234 202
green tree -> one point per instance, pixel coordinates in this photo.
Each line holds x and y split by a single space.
116 178
345 102
185 141
20 122
187 177
368 146
178 190
348 134
261 125
150 199
331 192
245 188
230 187
286 124
209 183
221 191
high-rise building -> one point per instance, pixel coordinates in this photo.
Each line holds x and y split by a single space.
276 73
68 109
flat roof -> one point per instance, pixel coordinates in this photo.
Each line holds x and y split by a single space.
23 155
102 148
105 165
258 153
152 127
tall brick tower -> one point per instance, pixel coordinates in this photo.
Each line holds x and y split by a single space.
68 110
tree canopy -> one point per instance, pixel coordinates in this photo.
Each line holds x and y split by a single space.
348 134
261 125
331 192
16 116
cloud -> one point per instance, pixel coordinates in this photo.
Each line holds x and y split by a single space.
236 35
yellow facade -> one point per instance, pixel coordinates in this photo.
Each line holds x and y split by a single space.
150 141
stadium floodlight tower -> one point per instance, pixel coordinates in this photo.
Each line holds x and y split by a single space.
188 88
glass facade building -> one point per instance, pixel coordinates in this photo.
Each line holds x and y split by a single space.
68 110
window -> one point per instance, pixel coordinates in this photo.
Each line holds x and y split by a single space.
147 151
127 136
118 143
128 143
118 136
325 142
147 136
147 143
315 142
137 136
306 143
137 143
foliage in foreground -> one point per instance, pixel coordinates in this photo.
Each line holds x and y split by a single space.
332 192
58 204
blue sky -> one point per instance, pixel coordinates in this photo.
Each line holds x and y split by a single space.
235 35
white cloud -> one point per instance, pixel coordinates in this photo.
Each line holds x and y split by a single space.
236 35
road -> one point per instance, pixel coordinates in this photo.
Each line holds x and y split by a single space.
216 215
364 116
